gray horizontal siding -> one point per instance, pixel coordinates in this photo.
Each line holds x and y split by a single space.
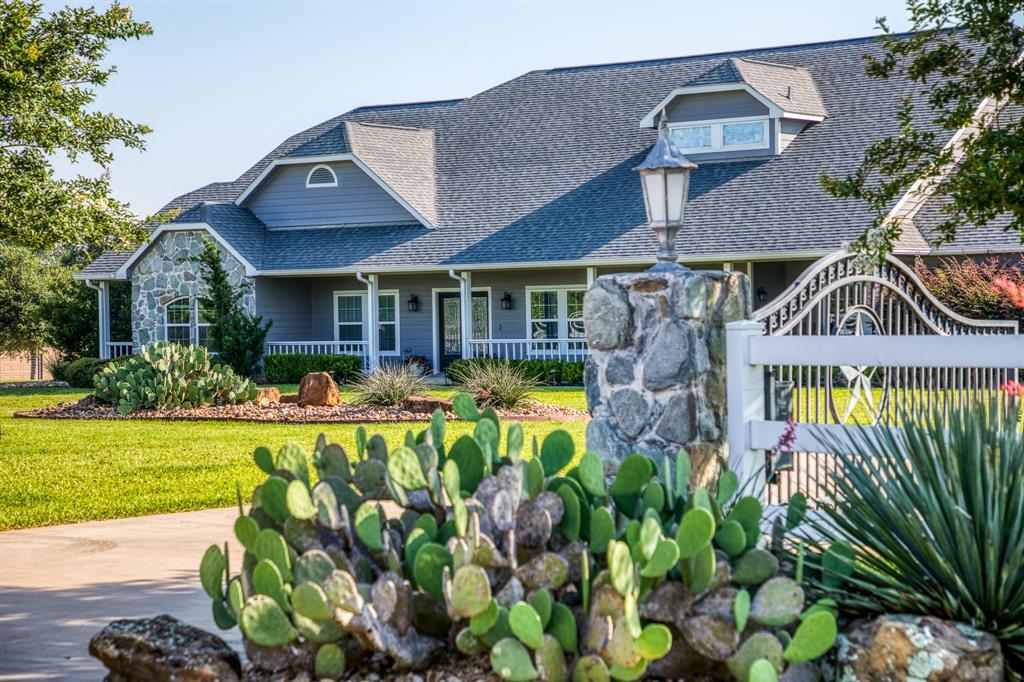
715 105
285 201
286 302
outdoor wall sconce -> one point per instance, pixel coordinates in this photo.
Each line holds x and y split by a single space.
762 294
413 304
506 301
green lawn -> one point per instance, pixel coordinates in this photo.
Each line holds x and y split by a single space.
61 471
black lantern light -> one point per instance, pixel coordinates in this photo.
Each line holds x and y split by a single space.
762 294
413 304
506 301
665 177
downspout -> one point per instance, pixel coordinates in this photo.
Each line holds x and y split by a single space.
465 309
103 319
372 338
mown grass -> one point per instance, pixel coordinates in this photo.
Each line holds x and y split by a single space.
62 471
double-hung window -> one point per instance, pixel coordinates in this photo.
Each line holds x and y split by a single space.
556 313
719 136
187 321
351 316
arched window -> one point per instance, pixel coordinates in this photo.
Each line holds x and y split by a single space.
188 321
321 176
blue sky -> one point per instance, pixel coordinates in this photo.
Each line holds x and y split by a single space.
221 83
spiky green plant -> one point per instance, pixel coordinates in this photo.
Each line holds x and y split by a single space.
389 385
929 518
496 383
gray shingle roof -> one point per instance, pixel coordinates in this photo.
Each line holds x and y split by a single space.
540 168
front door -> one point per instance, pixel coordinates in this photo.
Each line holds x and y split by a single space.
449 324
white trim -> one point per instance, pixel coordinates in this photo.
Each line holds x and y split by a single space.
434 318
964 350
314 169
364 296
327 158
774 110
717 134
561 313
540 265
122 272
193 323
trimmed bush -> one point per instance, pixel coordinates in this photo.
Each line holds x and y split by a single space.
389 386
80 372
566 371
167 376
289 368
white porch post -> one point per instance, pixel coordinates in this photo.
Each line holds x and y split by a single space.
103 315
591 276
465 280
745 384
372 313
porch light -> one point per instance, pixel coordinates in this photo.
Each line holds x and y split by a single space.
413 304
665 178
506 301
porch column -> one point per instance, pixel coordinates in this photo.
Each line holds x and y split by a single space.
591 276
465 280
103 315
372 332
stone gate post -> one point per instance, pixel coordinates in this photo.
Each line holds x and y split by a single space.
655 377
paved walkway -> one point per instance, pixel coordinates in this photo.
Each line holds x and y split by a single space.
59 585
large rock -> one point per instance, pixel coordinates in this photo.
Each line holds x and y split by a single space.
163 649
894 648
267 395
318 389
606 317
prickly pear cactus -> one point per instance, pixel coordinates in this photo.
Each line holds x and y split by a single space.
531 559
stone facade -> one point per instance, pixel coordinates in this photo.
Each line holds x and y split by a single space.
167 271
655 377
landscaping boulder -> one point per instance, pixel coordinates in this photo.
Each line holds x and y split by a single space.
894 648
268 395
427 405
163 649
318 389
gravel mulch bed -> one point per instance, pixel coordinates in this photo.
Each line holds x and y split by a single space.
91 407
33 384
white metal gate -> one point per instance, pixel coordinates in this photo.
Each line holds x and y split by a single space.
837 297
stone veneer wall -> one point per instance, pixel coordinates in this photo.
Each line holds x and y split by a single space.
655 377
167 271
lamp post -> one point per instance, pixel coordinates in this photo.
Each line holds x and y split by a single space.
665 178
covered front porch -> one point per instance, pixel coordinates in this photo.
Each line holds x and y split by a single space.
439 317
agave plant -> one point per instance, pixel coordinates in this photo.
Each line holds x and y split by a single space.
389 385
929 519
496 383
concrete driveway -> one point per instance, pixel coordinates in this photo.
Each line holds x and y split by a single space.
59 585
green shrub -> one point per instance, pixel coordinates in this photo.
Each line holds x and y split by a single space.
166 376
325 568
496 383
58 368
965 286
389 385
927 520
289 368
565 371
79 373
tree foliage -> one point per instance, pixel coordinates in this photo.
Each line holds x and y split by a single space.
235 334
50 69
966 286
958 69
22 288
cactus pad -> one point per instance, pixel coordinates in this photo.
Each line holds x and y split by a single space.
404 468
777 603
341 588
815 635
211 571
465 407
314 565
468 643
526 625
273 498
728 484
485 620
563 627
246 530
591 474
633 475
271 545
741 610
695 532
755 567
293 459
731 538
590 669
837 564
471 591
700 570
511 661
665 557
602 530
330 662
620 565
264 459
310 600
263 622
298 501
759 646
469 458
428 568
556 452
763 671
551 661
368 526
654 642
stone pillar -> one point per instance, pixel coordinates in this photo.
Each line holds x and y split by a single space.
655 377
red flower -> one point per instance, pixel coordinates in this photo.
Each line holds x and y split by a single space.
1013 388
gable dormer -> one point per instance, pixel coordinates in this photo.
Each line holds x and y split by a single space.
739 108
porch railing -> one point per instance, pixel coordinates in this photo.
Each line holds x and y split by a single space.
116 349
530 349
358 348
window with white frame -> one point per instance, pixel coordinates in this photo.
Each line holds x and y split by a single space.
555 313
350 316
188 320
715 136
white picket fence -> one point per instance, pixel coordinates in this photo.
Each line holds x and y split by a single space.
993 359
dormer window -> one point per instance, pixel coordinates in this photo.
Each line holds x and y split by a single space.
321 176
727 135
